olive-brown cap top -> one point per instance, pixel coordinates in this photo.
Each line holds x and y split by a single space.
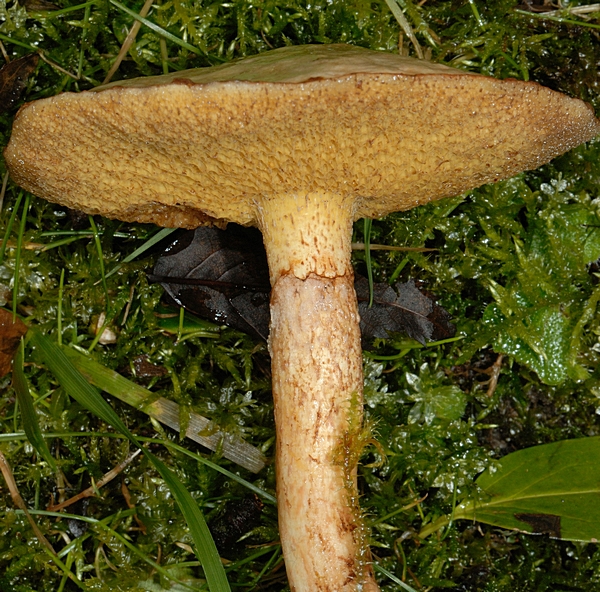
388 132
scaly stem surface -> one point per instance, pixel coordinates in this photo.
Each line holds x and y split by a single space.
317 389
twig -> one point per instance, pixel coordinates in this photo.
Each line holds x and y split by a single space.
128 41
55 65
494 373
93 489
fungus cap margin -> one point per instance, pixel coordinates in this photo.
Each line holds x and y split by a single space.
207 145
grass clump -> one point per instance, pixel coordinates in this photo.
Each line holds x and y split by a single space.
516 264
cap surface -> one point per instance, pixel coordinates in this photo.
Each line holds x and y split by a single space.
387 132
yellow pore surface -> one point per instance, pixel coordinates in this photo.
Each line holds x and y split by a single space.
178 153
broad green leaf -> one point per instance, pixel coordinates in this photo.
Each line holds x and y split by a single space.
551 489
87 396
31 425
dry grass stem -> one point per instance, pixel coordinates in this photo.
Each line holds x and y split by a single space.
131 506
4 53
3 190
92 490
128 306
20 502
57 67
399 16
128 41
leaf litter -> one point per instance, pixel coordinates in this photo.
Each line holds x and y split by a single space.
13 79
223 276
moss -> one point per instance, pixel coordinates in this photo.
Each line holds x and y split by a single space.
532 240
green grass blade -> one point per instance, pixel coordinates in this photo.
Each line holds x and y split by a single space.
84 31
156 28
250 486
163 233
29 417
87 396
76 385
205 545
18 43
167 412
391 576
18 255
9 226
54 14
403 22
557 19
100 261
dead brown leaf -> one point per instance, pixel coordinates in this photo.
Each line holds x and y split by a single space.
13 79
11 331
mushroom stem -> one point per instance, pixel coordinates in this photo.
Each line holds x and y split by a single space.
317 389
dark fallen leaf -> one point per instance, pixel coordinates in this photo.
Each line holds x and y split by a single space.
219 275
38 5
222 276
400 309
11 332
541 523
238 518
13 79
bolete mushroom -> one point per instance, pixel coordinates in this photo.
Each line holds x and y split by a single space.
299 141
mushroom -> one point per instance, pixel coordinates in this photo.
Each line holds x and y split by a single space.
299 141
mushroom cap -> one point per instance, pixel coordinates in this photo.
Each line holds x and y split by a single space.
386 132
